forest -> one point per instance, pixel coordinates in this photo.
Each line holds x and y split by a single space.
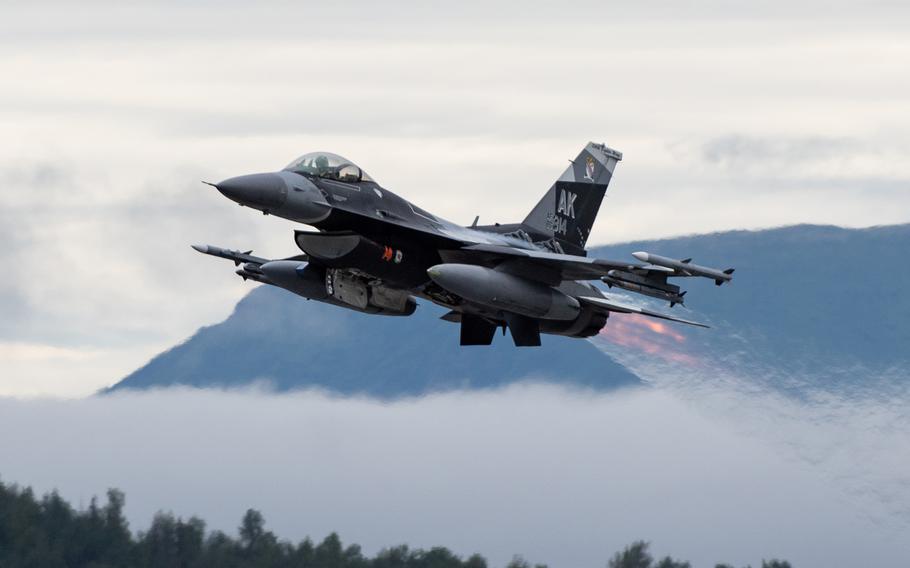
48 532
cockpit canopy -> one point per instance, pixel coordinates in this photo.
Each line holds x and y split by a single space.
329 166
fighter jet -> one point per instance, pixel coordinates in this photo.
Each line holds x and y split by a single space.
377 253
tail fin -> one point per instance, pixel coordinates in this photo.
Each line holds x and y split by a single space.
568 210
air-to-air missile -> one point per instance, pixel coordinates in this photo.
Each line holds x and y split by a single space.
316 282
235 255
647 285
685 267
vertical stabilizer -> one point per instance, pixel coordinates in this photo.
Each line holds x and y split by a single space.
568 210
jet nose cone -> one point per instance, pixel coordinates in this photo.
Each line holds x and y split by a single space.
261 191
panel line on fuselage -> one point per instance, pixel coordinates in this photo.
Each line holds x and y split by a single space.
340 184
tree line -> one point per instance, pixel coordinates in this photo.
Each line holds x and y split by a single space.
48 532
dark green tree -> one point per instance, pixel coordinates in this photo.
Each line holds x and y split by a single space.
395 557
436 557
118 545
668 562
252 529
190 537
158 545
635 555
260 547
220 551
304 555
51 534
353 557
475 561
518 562
329 553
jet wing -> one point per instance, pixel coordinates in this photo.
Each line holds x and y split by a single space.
569 267
620 307
649 278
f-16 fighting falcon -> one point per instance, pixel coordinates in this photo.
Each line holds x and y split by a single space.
375 252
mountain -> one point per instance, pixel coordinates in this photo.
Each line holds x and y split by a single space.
819 298
292 343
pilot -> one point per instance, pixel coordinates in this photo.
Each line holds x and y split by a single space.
322 164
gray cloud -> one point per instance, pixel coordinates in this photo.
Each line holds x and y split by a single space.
13 303
34 176
471 19
843 421
563 477
736 151
81 250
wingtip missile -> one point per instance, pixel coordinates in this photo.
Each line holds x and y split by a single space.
685 267
204 249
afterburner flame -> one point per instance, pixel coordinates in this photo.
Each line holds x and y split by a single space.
650 337
660 328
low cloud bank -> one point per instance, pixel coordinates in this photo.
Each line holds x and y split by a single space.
560 476
850 424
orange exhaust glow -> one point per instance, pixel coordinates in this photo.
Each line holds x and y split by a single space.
650 337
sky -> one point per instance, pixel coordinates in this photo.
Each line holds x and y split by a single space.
728 116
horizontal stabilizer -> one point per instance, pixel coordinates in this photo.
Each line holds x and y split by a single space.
614 306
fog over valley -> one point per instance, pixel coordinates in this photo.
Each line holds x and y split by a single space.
559 475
